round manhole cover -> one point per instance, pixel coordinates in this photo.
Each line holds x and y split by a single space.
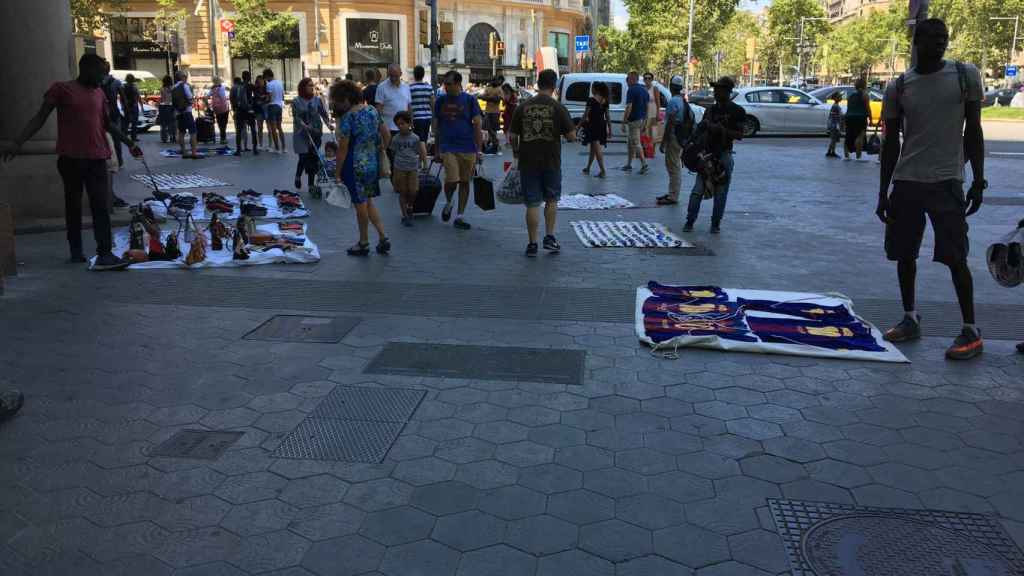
879 545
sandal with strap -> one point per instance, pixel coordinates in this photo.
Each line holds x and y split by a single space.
384 247
359 249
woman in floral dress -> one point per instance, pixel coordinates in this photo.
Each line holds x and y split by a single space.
362 138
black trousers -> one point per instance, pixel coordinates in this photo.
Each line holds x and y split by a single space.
244 120
90 175
422 129
222 125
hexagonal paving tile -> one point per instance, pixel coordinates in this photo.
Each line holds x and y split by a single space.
581 506
314 490
558 436
469 530
524 453
753 428
330 521
378 494
794 449
650 511
645 461
542 535
497 561
445 498
397 525
614 482
464 450
746 489
584 458
423 471
652 566
691 545
345 556
761 549
512 502
574 563
423 558
772 468
259 517
723 516
501 432
681 486
551 478
615 540
487 474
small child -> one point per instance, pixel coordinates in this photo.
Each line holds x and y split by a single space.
835 121
330 157
410 156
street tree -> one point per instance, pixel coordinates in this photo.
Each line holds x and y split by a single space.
731 42
778 53
92 16
260 33
974 36
862 44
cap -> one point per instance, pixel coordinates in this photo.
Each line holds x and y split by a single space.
677 80
724 82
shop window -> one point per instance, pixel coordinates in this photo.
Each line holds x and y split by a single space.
560 42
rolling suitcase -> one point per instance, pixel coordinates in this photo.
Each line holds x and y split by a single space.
204 129
430 189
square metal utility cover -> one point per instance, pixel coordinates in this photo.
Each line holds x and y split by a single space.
344 440
557 366
826 539
369 404
311 329
352 424
198 444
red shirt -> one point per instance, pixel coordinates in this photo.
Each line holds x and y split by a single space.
81 120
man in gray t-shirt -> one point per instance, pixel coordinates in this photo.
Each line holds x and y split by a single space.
937 107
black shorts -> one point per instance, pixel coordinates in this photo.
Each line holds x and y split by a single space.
945 206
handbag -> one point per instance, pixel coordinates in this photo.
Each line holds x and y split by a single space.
336 194
511 191
483 190
648 145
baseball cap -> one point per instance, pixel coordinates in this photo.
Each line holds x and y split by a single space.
677 80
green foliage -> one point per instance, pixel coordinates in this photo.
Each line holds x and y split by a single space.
973 36
855 47
170 16
260 33
731 41
91 16
783 30
656 36
149 86
1003 113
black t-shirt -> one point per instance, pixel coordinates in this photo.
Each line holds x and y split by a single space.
131 99
541 122
370 94
730 115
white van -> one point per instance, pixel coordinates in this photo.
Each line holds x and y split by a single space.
574 91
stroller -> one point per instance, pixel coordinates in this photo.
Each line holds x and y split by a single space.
326 188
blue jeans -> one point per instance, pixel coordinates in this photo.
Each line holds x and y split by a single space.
720 195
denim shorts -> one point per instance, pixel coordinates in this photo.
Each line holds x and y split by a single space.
186 122
540 186
274 113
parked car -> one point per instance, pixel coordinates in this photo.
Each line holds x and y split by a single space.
147 117
779 110
825 95
704 98
574 91
1002 95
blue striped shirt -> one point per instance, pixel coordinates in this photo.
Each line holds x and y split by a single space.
421 93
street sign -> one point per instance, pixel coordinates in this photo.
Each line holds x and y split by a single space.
227 26
583 43
1011 71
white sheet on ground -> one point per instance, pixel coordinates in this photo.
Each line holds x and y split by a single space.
601 234
305 254
891 353
167 181
596 202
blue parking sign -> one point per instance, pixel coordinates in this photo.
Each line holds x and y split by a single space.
583 43
1011 71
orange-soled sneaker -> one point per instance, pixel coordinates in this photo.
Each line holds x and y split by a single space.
908 329
966 346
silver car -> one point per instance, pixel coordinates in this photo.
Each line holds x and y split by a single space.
781 110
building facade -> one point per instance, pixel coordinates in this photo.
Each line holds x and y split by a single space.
841 10
334 37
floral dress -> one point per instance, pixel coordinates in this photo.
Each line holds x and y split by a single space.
361 172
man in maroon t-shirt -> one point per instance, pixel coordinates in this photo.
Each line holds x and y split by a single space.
82 153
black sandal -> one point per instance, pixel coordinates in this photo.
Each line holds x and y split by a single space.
384 247
359 249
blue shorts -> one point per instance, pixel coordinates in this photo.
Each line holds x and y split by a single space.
540 186
186 122
274 113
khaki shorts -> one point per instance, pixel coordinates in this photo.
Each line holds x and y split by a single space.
633 131
405 181
458 166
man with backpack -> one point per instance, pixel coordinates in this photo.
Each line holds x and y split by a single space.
679 120
113 89
722 125
242 98
937 106
181 99
132 104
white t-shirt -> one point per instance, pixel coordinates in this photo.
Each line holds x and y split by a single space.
276 91
393 99
932 108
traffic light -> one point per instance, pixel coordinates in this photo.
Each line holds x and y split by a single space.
447 33
424 19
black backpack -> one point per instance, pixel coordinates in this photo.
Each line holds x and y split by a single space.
240 97
179 99
684 130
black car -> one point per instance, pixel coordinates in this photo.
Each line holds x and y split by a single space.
705 98
1002 95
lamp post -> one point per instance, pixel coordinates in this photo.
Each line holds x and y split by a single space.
689 49
800 44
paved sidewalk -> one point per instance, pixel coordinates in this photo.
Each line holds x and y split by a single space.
649 467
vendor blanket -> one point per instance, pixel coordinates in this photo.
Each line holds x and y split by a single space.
627 235
301 251
597 202
202 151
201 214
178 181
731 319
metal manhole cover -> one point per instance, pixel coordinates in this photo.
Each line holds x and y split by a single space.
343 440
197 444
557 366
696 250
370 404
311 329
894 546
828 539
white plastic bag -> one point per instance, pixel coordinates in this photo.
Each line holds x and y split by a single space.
336 194
511 191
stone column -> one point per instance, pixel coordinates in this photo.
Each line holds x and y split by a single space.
36 39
